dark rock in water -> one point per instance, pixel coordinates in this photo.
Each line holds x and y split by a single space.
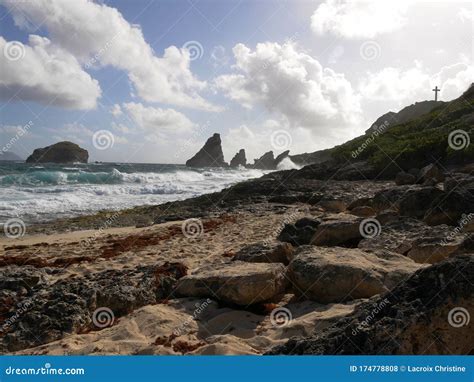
61 152
210 155
239 159
265 162
426 314
67 306
403 178
299 233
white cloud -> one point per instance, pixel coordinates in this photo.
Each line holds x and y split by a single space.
46 74
359 19
98 35
156 119
292 85
415 84
116 110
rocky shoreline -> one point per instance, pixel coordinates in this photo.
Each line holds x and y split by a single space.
284 264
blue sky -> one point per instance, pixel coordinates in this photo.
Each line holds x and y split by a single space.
313 73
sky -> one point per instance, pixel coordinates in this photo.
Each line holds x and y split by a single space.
148 81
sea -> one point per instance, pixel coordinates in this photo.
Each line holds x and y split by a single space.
39 193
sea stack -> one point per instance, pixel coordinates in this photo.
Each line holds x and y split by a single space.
268 162
61 152
210 155
239 159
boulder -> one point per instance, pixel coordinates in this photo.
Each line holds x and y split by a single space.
416 202
237 282
403 178
299 233
265 253
210 155
429 313
450 207
337 230
432 250
338 274
239 159
61 152
430 173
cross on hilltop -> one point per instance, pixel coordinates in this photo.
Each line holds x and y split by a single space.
436 90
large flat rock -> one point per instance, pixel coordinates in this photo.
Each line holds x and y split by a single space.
339 274
238 282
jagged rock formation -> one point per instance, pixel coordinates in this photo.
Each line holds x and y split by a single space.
61 152
422 315
268 162
239 159
210 155
9 156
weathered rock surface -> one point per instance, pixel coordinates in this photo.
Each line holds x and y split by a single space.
299 233
339 274
61 152
210 155
425 314
238 282
239 159
265 253
340 229
431 173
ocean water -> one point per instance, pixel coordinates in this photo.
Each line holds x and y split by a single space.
36 193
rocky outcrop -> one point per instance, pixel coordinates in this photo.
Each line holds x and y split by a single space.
430 173
61 152
426 314
210 155
299 233
265 253
239 159
339 274
265 162
404 178
338 230
238 282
